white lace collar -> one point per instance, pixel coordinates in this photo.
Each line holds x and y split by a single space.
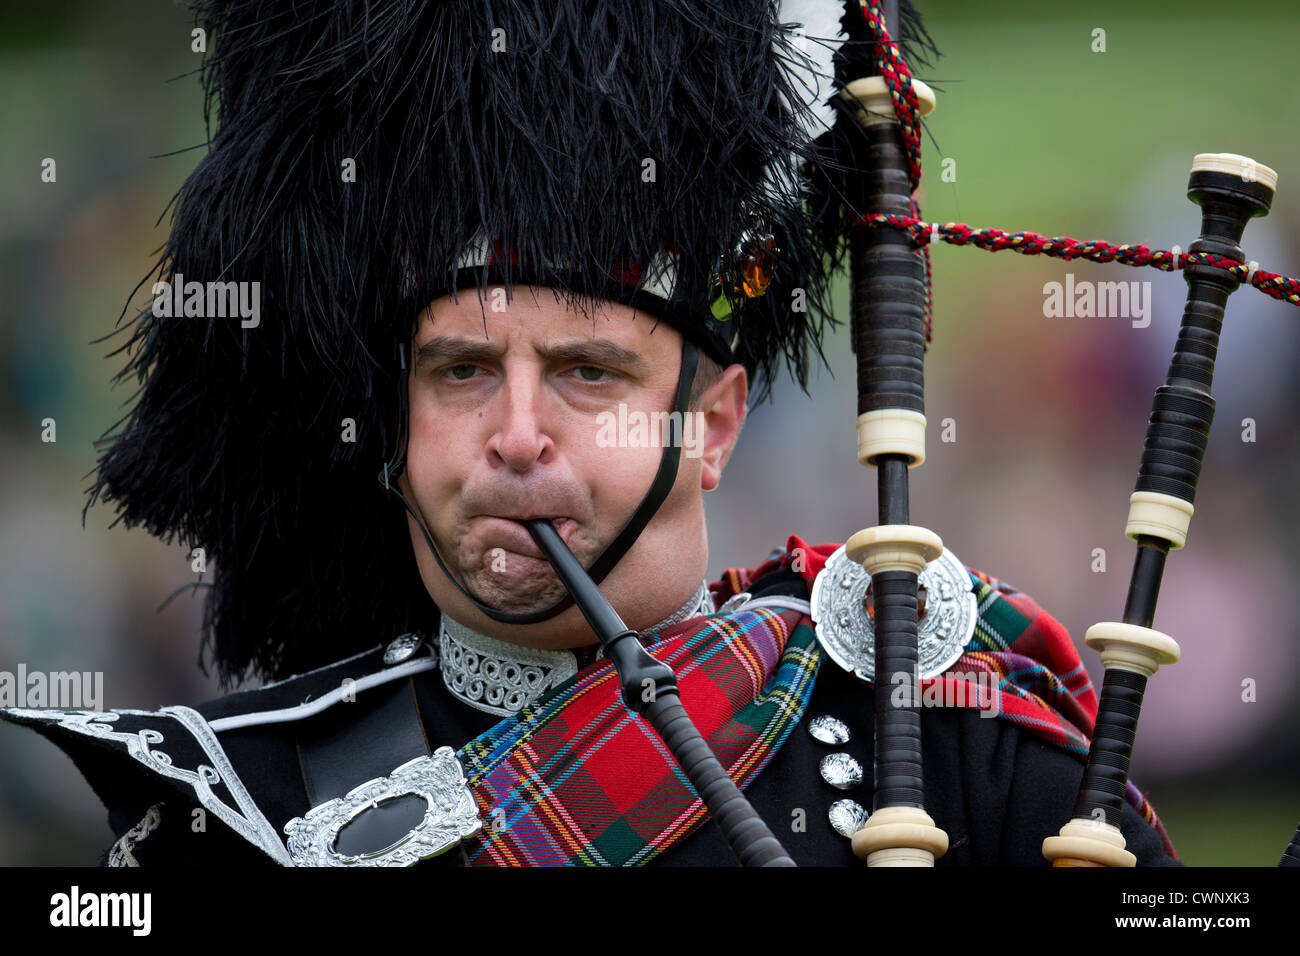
501 678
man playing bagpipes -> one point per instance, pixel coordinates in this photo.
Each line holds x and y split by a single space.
524 263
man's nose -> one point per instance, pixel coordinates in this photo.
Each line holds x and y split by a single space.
520 438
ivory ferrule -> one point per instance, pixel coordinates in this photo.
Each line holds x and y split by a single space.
1088 843
900 836
1164 516
891 431
875 104
1129 647
1234 164
894 547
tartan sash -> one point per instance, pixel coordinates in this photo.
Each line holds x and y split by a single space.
576 778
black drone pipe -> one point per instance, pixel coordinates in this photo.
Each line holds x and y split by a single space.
650 689
1230 190
887 278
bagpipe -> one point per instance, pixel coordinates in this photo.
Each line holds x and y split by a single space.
889 313
889 280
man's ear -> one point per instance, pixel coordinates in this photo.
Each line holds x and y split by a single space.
723 409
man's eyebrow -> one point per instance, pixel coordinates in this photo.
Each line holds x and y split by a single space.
454 349
596 351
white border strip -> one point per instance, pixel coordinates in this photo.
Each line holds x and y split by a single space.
314 707
777 600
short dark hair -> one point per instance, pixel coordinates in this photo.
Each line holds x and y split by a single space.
707 372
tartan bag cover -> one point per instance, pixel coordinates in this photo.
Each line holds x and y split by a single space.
578 779
1040 680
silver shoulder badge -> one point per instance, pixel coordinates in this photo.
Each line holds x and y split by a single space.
450 817
848 635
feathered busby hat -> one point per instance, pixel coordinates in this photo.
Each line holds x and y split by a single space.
371 156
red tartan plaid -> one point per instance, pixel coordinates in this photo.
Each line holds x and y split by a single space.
577 778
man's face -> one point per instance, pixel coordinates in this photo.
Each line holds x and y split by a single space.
512 414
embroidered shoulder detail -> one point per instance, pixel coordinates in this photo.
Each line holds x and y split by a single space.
208 776
122 852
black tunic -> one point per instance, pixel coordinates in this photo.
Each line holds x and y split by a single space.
993 787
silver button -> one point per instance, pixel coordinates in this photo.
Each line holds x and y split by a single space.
847 817
840 770
829 730
402 649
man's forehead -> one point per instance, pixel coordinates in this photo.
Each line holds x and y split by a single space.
542 316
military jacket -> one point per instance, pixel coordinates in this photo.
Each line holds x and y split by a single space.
217 784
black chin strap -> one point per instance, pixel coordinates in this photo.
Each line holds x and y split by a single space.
623 541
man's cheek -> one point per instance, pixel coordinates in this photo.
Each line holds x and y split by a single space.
617 492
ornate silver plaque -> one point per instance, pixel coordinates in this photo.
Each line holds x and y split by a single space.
451 816
848 635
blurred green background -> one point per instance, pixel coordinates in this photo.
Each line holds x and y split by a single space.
1049 414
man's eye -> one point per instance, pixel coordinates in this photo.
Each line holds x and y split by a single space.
604 373
450 370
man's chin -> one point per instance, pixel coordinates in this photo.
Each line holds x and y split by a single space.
517 595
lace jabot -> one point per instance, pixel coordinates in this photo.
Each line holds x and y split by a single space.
501 678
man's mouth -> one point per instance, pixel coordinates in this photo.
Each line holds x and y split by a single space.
511 534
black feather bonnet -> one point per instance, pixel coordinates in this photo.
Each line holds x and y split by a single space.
361 151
